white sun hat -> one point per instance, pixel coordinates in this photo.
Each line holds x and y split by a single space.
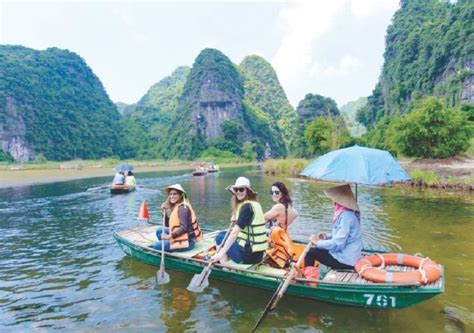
241 182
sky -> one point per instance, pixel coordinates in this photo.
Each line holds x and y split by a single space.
332 48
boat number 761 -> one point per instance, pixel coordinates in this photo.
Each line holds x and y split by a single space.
381 300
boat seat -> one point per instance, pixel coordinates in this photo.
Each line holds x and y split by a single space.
270 270
233 264
198 248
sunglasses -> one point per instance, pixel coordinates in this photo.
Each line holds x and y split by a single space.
239 189
274 192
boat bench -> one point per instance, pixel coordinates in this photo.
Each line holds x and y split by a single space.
353 277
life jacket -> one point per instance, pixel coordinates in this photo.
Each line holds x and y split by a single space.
282 251
182 241
253 237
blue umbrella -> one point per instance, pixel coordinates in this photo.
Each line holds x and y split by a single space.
359 165
123 168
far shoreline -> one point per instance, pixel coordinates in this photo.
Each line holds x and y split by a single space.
38 176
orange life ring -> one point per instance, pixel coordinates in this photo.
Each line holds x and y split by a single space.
368 268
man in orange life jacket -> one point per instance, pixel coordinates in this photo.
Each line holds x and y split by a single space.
182 229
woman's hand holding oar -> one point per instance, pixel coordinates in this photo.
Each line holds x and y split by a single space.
282 288
200 281
161 276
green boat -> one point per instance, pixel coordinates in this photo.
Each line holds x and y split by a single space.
121 189
339 287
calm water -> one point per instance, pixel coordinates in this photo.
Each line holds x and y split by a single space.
61 268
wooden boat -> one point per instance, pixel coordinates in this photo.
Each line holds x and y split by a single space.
199 172
213 168
339 287
121 189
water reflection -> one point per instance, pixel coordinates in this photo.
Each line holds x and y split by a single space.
61 268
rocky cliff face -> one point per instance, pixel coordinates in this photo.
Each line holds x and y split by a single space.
51 103
467 93
12 134
214 95
428 52
214 107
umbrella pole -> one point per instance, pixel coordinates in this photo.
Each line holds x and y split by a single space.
356 192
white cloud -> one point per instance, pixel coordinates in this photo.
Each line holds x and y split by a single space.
302 23
365 8
322 41
346 66
123 13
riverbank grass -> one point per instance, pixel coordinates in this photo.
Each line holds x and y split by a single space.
290 166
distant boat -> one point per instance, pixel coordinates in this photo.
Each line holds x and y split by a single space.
213 168
199 171
121 189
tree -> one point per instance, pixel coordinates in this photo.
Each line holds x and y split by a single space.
325 134
431 130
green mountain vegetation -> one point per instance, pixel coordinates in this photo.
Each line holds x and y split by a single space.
52 105
149 121
349 113
429 51
121 107
211 107
320 127
263 90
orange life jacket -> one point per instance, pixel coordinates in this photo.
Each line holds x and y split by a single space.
282 251
182 241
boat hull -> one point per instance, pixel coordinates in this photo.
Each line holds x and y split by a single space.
121 189
351 294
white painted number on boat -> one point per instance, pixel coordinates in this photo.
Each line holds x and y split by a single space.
381 300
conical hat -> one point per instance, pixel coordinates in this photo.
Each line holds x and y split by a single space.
343 195
177 187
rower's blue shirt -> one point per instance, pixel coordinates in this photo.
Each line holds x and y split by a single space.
345 241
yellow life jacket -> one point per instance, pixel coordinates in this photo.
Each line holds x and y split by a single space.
282 251
182 241
254 235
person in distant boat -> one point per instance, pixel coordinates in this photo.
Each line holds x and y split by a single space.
130 179
282 213
341 249
182 229
119 178
247 240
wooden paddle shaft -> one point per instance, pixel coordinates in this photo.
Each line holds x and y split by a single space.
208 267
292 272
162 264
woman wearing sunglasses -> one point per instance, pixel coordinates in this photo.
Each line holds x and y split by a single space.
247 240
282 213
278 218
182 230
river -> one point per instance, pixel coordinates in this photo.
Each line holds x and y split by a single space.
60 267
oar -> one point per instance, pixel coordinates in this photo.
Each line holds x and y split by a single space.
161 276
148 187
93 189
200 281
281 288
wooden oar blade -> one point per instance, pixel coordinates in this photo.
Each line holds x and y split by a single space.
199 282
162 277
270 306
